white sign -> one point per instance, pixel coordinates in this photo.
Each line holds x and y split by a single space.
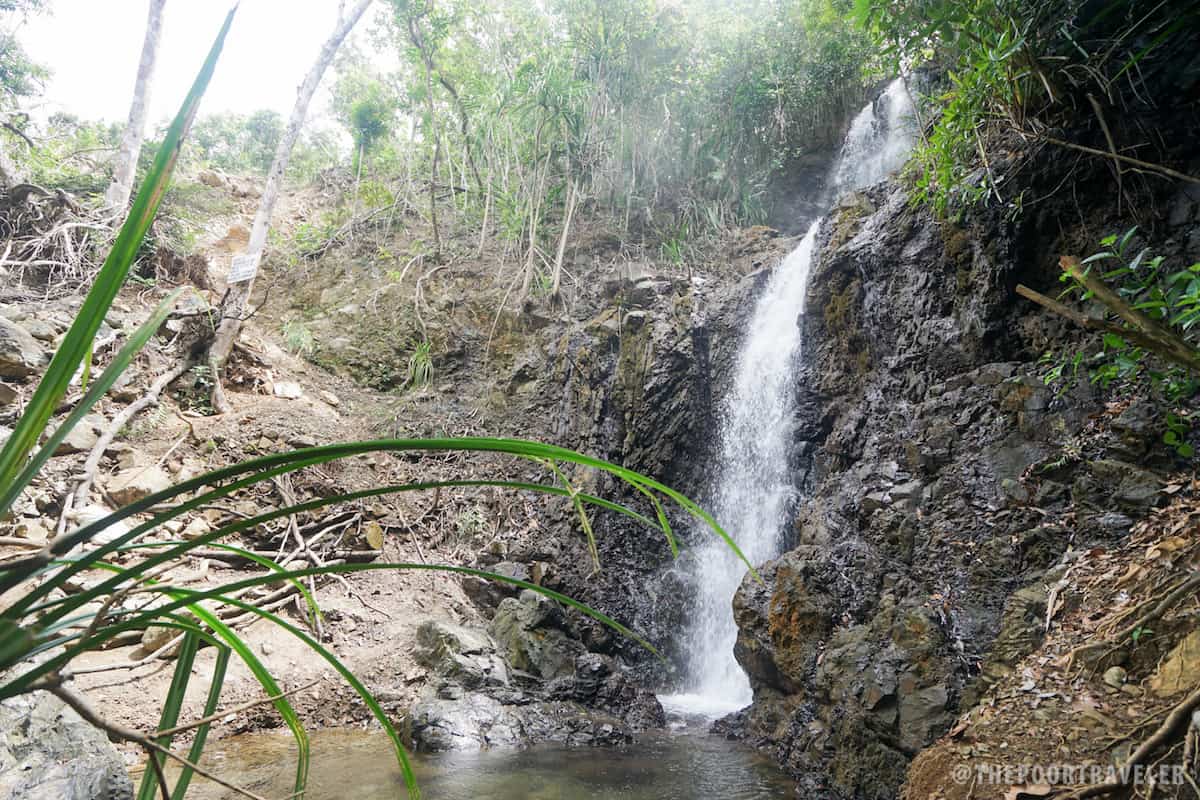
244 267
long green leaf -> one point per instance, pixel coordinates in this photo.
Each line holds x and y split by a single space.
172 705
210 708
261 674
410 780
24 606
269 466
88 561
75 645
314 610
82 334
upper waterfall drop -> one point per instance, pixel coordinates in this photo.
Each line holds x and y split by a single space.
878 142
753 491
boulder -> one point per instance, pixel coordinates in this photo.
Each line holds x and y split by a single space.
8 395
213 178
95 512
43 330
600 684
288 390
47 750
448 721
20 354
82 438
531 634
460 655
487 594
783 623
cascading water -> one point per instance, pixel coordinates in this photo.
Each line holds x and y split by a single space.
878 141
754 491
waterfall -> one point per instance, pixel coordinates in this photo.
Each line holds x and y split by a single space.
753 490
878 141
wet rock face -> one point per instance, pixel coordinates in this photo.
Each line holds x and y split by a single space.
940 476
46 750
633 385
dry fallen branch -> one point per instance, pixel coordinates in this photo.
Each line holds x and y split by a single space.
1146 165
1165 342
1141 330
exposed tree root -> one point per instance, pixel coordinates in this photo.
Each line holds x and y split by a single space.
1170 600
1171 730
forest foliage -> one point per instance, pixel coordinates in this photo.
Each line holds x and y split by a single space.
655 114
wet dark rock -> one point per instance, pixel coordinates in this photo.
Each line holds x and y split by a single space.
600 683
476 699
945 482
476 721
486 593
1134 487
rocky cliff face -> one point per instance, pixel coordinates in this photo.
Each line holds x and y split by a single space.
941 475
634 384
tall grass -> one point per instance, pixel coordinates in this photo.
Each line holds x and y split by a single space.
45 629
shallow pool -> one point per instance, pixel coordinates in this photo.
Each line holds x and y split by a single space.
684 764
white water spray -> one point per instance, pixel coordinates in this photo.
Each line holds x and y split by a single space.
754 489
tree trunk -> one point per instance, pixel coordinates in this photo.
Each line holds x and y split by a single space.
572 199
234 307
117 195
418 41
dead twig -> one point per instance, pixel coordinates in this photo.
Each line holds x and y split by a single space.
235 710
1146 165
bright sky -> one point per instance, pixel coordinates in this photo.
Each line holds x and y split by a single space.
93 48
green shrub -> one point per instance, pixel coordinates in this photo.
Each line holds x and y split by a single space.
1150 336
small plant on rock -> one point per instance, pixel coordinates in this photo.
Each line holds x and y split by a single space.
298 337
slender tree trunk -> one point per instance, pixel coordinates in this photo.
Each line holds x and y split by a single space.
234 307
10 173
572 200
414 34
465 123
117 195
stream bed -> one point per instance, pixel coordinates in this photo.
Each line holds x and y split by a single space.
685 764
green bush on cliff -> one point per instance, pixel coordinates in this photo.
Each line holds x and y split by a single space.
1016 65
1150 337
